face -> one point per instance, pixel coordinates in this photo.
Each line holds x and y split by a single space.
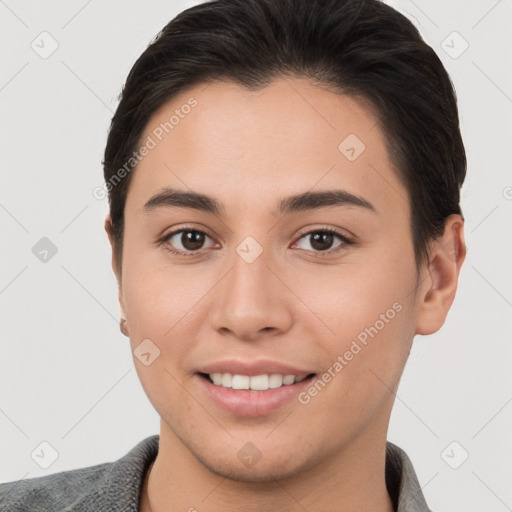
296 260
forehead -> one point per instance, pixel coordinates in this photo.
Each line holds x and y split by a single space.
246 146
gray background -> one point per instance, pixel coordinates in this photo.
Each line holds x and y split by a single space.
67 375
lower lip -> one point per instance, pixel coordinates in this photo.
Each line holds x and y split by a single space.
246 402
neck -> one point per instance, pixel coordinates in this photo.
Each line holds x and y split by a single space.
349 481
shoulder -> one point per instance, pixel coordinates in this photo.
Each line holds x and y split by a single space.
53 491
108 486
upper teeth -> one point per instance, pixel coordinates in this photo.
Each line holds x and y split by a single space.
257 382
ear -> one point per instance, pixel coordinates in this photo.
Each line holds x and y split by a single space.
438 287
117 271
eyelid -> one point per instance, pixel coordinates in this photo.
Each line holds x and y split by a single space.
343 234
187 227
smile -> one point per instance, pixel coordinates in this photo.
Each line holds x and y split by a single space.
252 395
255 382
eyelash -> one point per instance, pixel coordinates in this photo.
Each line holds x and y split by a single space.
346 241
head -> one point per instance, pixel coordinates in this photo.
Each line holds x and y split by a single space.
311 154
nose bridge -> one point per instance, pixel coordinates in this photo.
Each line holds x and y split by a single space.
249 262
249 275
250 298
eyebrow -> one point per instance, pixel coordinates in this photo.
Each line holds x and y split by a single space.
169 197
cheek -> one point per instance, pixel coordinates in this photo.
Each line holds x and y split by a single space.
160 302
366 325
364 359
353 296
159 296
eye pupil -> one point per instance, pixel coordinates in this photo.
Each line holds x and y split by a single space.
320 238
192 240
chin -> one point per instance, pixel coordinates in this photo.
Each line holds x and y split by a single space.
261 472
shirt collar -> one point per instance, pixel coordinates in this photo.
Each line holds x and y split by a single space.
402 483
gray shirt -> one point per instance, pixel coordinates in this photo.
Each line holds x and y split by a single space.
116 486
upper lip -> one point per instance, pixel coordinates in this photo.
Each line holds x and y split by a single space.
252 368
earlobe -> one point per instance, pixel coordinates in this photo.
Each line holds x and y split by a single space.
123 327
437 291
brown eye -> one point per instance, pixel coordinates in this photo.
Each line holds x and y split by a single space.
324 240
186 241
192 240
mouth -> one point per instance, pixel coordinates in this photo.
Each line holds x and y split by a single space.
263 382
253 395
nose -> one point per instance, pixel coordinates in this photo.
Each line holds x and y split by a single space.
251 302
